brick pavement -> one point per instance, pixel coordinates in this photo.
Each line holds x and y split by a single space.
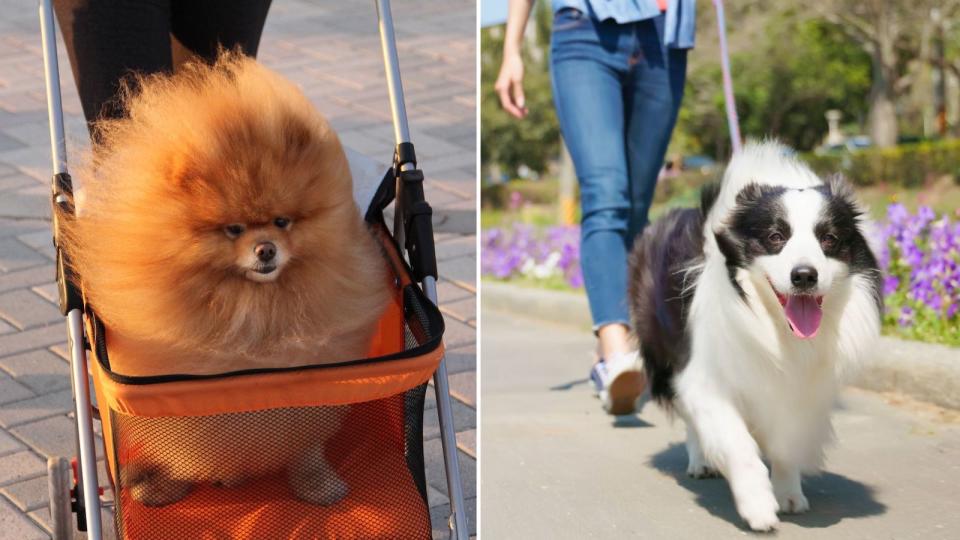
332 50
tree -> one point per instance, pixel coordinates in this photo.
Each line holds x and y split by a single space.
788 70
888 31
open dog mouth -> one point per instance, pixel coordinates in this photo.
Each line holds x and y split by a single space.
803 311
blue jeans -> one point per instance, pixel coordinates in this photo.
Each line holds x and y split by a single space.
617 90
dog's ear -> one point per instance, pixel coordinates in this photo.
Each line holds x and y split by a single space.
730 246
708 196
749 194
842 192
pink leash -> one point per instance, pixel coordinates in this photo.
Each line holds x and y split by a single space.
732 122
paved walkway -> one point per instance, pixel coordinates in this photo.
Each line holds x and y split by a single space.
332 49
555 466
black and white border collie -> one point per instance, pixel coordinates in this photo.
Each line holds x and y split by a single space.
749 311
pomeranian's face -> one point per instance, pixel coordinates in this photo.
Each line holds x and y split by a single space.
261 249
262 197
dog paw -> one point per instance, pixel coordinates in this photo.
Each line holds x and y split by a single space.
697 466
152 486
793 503
759 511
701 470
324 490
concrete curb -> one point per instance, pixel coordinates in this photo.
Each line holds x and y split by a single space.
923 371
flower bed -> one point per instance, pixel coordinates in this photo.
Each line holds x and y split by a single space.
919 254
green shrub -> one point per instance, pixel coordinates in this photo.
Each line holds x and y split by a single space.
909 165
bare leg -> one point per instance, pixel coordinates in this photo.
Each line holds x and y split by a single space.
614 340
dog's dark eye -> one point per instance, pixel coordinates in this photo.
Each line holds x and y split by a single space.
828 241
775 238
234 230
282 222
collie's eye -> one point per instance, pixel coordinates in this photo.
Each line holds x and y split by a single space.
828 241
775 238
234 230
282 222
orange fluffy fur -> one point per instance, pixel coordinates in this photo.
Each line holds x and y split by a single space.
210 146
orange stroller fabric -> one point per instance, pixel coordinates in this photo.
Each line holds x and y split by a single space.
369 449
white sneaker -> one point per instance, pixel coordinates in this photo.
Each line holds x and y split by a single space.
623 381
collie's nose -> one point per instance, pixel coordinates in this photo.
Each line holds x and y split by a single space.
265 251
804 277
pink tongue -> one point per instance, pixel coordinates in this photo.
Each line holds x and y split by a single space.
804 314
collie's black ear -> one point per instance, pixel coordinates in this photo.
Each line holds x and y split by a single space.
842 191
750 193
708 196
730 247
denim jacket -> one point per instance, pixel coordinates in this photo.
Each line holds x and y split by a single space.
679 26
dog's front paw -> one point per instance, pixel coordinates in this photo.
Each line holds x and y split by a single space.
793 503
697 467
324 489
152 486
760 511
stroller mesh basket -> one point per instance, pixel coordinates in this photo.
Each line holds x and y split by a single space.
320 451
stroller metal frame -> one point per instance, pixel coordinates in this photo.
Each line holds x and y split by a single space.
412 230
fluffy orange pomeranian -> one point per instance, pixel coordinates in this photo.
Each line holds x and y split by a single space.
217 232
218 219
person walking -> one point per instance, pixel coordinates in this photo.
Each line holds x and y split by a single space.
618 69
109 41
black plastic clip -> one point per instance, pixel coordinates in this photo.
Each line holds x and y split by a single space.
63 208
417 225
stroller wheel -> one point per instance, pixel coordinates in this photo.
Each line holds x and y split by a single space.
59 480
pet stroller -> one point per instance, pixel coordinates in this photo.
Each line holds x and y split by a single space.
371 408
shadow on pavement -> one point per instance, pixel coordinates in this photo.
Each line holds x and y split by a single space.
568 385
630 421
832 497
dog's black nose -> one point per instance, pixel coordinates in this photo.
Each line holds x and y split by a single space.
265 251
804 277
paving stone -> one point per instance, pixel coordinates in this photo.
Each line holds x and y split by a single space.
6 328
464 418
467 442
8 444
10 143
37 239
31 339
21 412
440 515
25 278
461 268
25 203
48 292
463 310
436 476
16 525
449 291
457 247
15 181
42 371
52 437
14 255
461 359
20 466
26 309
457 334
435 497
28 495
463 386
11 390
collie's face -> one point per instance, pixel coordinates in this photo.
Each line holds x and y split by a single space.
800 242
